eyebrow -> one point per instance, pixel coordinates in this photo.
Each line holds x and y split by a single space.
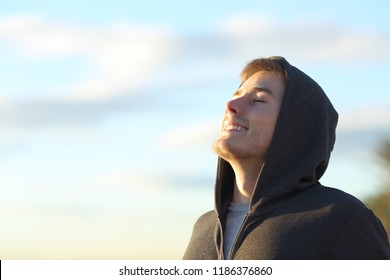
254 90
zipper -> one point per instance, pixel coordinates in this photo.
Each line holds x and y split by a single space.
232 250
221 237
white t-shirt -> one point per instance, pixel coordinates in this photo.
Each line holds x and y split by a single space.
235 216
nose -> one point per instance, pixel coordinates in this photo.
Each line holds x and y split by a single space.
235 106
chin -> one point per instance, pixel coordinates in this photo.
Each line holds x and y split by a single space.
223 150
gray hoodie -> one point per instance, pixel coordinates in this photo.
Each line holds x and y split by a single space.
291 215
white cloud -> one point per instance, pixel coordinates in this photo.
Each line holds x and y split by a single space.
374 117
3 100
360 132
201 134
125 55
39 37
130 180
122 54
155 181
310 41
245 24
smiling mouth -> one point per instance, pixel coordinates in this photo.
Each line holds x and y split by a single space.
234 128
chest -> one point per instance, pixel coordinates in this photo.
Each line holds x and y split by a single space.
289 236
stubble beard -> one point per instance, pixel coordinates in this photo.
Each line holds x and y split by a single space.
228 151
222 151
231 153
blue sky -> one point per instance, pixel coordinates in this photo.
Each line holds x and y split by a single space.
108 112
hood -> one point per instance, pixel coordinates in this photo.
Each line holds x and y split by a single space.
300 148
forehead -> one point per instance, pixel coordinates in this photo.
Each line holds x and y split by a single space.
264 79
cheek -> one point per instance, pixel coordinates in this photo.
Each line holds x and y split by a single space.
261 138
265 129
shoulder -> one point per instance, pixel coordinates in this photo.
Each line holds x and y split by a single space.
201 245
333 207
362 237
325 202
336 198
206 220
360 234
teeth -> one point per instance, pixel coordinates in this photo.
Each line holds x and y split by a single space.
235 127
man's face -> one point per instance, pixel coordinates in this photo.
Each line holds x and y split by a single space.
250 118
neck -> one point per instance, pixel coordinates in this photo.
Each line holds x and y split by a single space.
246 173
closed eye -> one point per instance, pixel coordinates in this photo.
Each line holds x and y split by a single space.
259 100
